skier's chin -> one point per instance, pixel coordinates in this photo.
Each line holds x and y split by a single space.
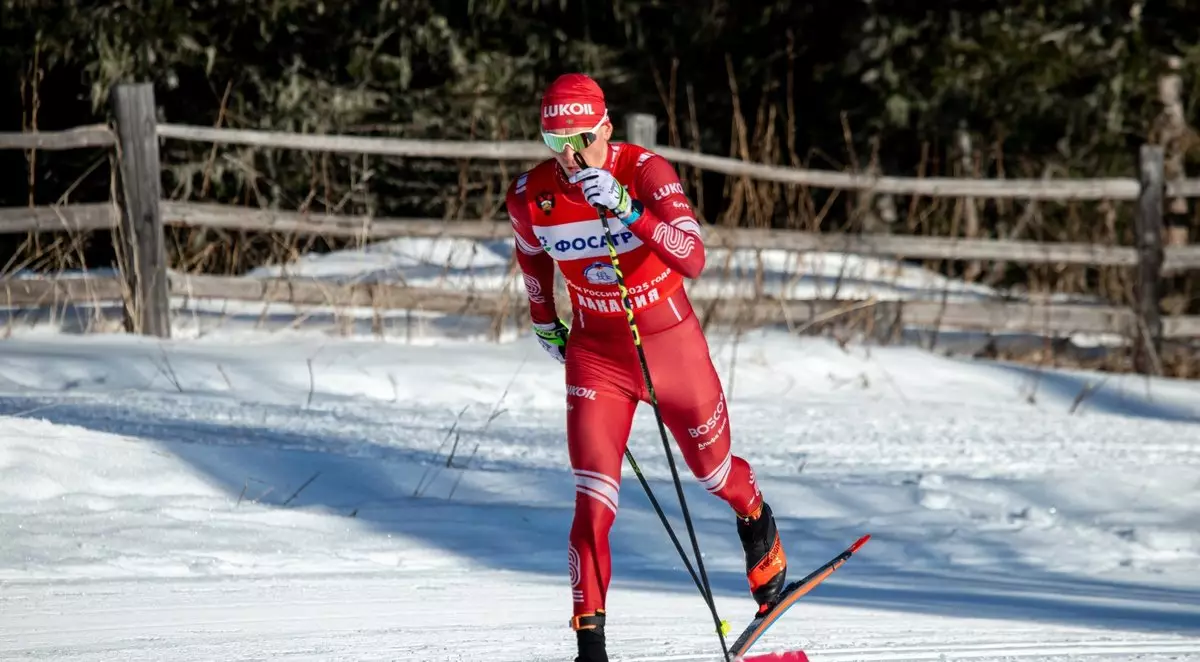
568 166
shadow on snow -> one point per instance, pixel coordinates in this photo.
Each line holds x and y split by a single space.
503 514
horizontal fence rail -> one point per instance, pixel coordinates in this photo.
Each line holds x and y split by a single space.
993 316
98 135
101 216
501 150
54 218
524 150
1116 188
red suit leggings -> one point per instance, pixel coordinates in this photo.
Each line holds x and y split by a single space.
604 385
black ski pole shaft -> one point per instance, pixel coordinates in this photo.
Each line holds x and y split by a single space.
627 304
667 525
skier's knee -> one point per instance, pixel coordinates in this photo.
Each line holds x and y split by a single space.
596 493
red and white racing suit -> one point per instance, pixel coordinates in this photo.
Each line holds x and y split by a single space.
553 223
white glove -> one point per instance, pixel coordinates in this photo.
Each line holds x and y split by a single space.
603 190
553 338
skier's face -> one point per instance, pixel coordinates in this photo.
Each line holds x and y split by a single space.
593 146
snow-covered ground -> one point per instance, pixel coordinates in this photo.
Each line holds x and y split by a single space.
246 495
323 484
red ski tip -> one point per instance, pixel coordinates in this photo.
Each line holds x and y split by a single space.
788 656
861 541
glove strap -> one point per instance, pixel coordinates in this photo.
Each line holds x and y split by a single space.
632 209
551 333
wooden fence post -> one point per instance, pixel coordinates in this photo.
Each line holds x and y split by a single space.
1171 127
641 129
143 253
966 153
1148 221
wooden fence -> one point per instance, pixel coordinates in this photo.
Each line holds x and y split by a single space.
139 215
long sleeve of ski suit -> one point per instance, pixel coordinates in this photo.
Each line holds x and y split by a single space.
537 267
668 222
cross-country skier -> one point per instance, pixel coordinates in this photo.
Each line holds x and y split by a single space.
553 214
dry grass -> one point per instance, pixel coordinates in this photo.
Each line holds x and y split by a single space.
1179 360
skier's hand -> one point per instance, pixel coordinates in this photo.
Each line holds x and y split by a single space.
603 190
553 338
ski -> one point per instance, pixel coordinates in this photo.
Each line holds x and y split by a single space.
787 597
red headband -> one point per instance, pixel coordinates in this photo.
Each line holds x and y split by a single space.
572 101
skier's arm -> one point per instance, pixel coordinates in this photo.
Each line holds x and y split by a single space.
667 222
537 267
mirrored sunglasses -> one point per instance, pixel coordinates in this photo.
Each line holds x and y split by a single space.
577 141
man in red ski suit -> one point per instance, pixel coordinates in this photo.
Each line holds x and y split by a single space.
554 218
